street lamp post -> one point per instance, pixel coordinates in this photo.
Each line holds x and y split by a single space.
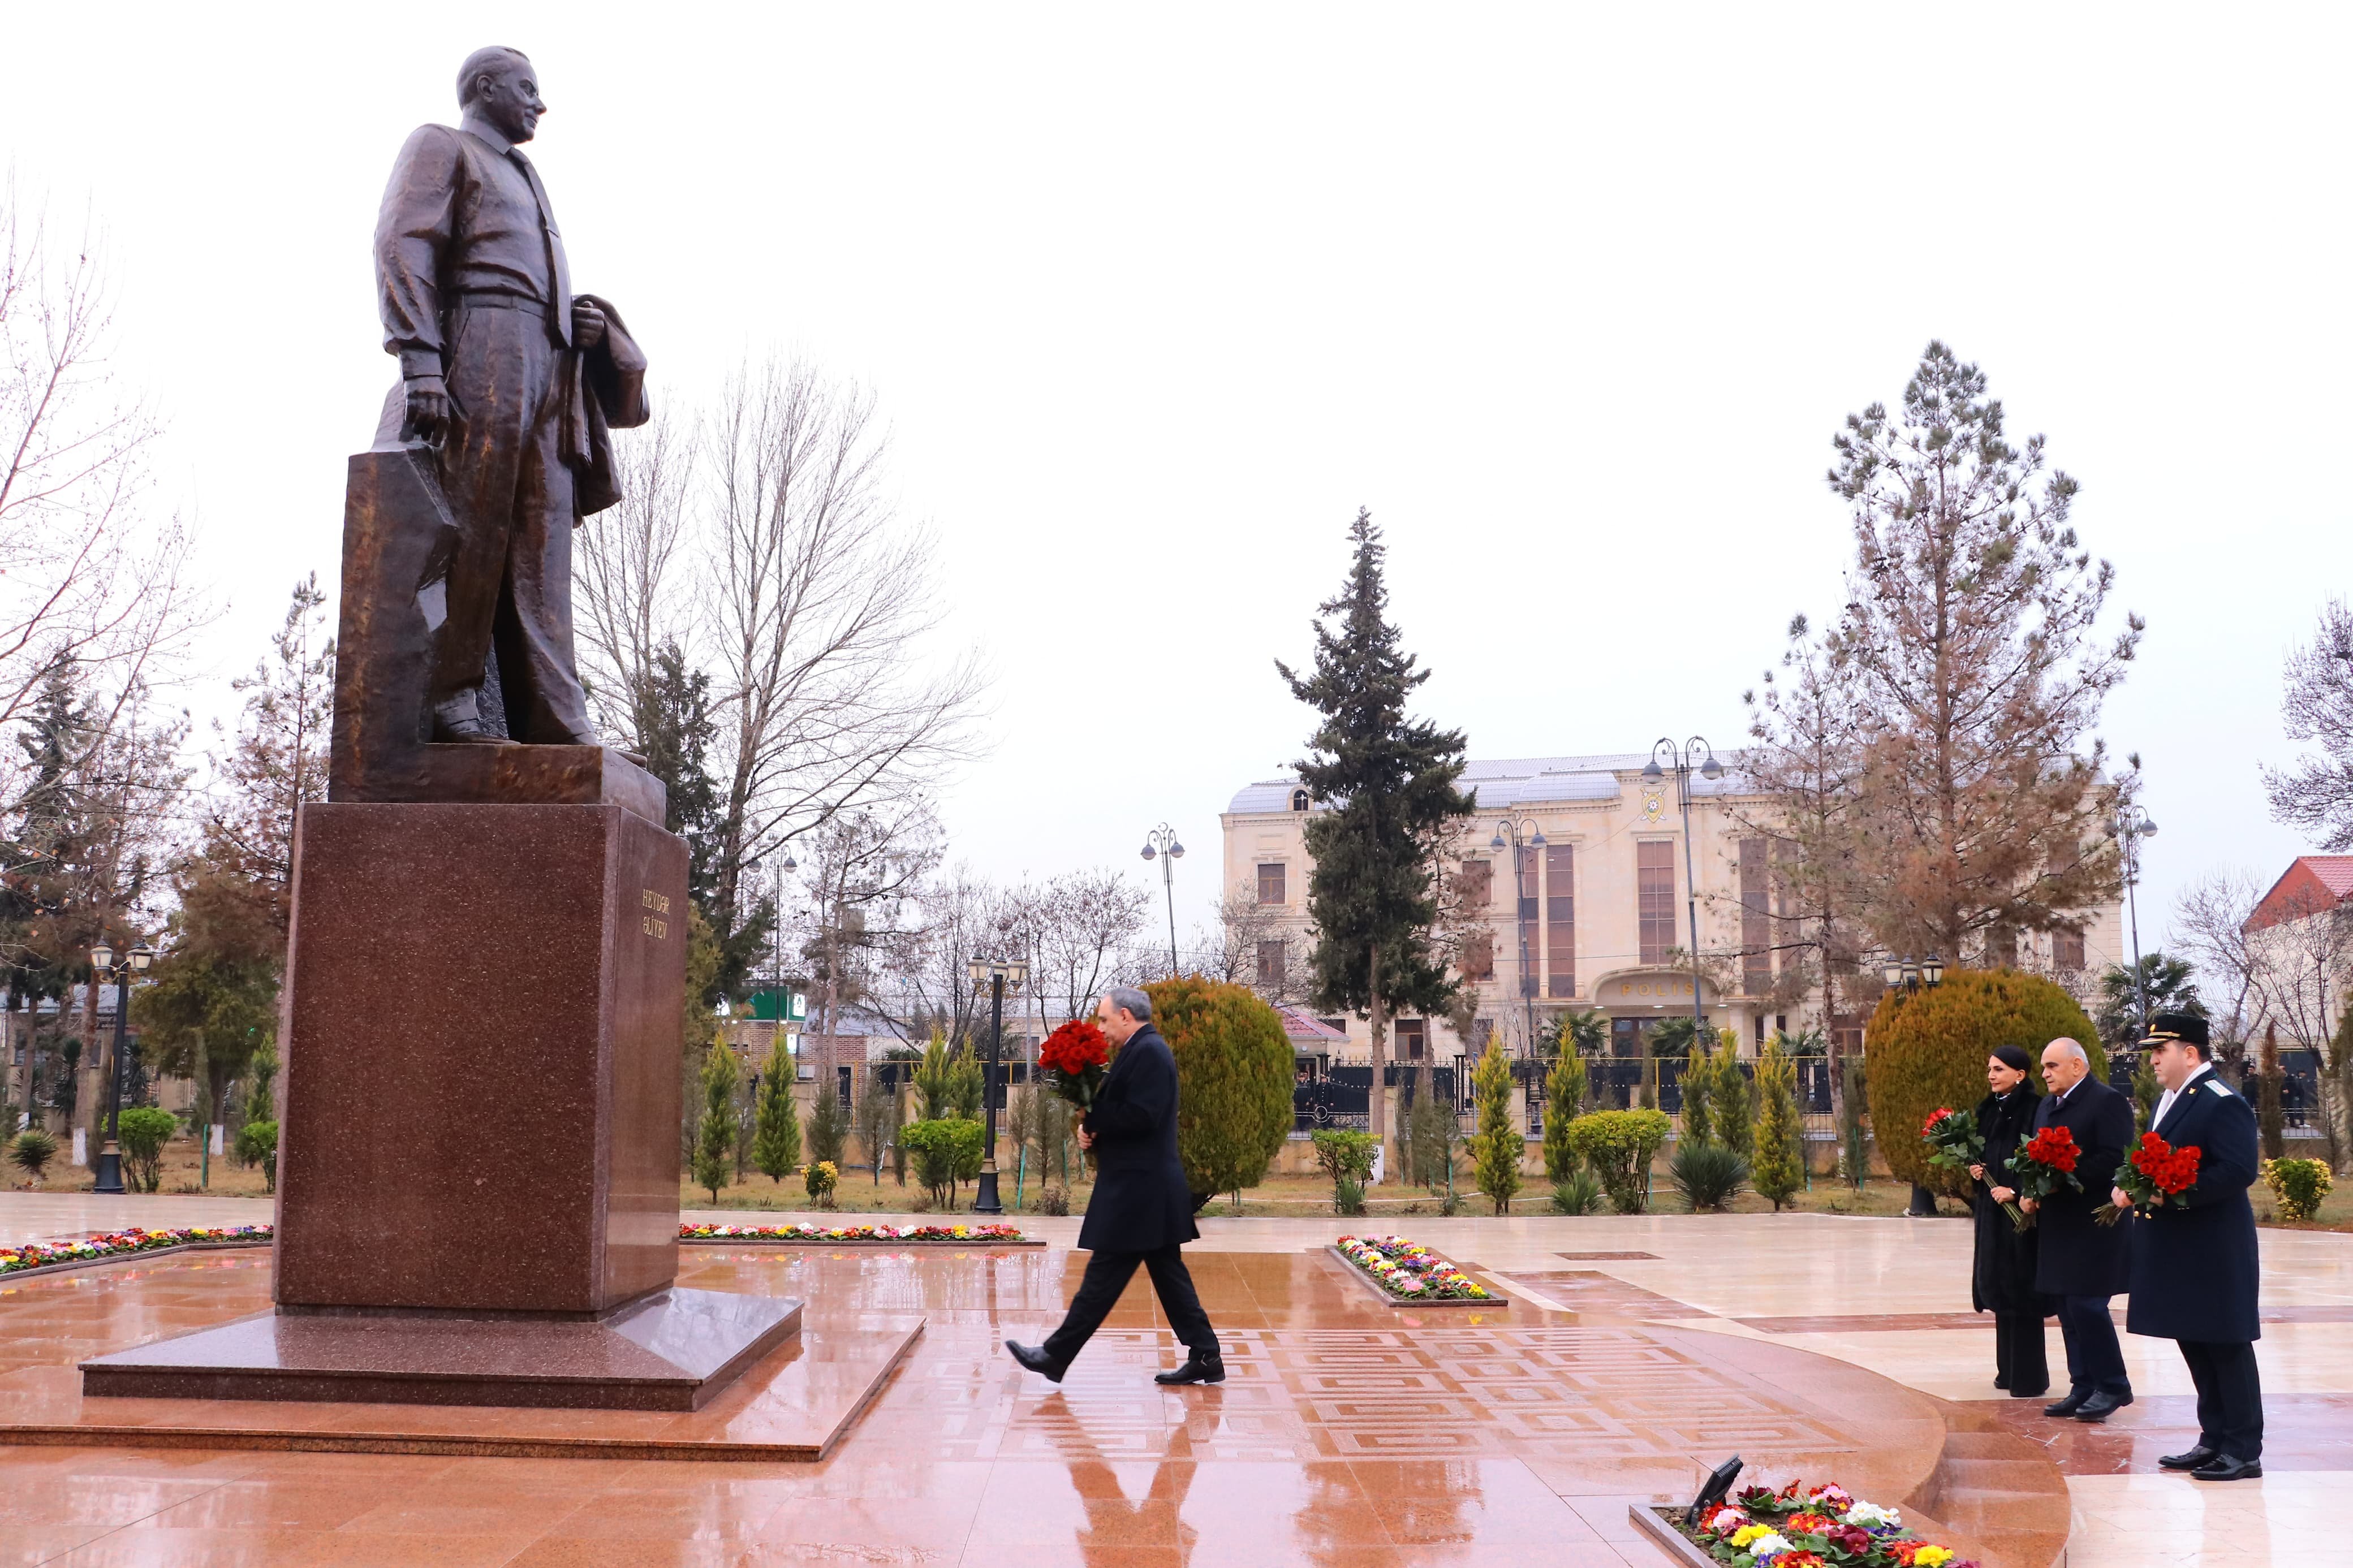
2133 825
102 966
1161 844
1905 976
996 973
1507 835
1682 760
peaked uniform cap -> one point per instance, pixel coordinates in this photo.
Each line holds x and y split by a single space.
2186 1028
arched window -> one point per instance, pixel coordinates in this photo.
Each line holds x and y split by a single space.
1299 800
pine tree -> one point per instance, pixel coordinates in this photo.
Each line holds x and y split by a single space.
935 1081
714 1135
1699 1078
1498 1146
1385 784
1732 1103
777 1132
1778 1170
1563 1097
829 1126
876 1119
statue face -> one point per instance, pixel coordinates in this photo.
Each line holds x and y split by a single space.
509 99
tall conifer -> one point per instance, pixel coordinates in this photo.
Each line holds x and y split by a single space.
1384 787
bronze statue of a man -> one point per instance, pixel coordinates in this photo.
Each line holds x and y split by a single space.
515 380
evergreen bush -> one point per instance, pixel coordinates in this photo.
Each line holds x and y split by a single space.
1927 1049
1706 1175
776 1126
1699 1078
820 1180
2146 1091
829 1126
942 1149
2297 1186
1578 1193
1564 1100
256 1144
1234 1076
935 1081
1430 1134
141 1132
715 1130
1620 1145
1732 1101
1854 1137
1779 1165
32 1151
1497 1148
876 1119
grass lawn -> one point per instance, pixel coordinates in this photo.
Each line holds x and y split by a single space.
183 1174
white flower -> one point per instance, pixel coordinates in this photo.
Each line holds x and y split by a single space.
1767 1546
1868 1515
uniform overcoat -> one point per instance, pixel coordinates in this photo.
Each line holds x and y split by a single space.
2194 1268
1140 1202
2076 1255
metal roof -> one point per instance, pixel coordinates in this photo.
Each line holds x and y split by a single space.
1528 781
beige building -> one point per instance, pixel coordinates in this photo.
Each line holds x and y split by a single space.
1596 915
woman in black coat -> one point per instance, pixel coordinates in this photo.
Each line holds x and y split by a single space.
2002 1277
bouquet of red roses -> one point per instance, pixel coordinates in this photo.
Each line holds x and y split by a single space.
1953 1139
2044 1161
2154 1172
1074 1058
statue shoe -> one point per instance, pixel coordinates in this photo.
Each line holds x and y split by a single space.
2200 1455
1034 1358
1211 1369
465 732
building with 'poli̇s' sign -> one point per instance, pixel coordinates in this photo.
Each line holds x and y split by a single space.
1596 917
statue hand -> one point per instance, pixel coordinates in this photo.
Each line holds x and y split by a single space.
587 325
429 410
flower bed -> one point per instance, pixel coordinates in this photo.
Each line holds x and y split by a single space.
1809 1527
1406 1271
106 1246
862 1234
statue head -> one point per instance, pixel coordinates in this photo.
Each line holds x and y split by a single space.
499 84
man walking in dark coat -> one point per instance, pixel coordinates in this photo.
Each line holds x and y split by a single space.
1142 1211
2082 1262
2194 1266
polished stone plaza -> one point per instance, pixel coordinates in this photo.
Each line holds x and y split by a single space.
1349 1432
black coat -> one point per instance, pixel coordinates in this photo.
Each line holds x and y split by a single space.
2077 1256
2194 1268
2003 1279
1140 1202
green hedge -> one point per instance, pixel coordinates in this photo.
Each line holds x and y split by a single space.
1234 1075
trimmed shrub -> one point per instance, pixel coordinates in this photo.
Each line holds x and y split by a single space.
1564 1099
776 1125
1497 1146
1620 1145
942 1149
1706 1175
140 1131
820 1179
1927 1049
1578 1193
1234 1072
256 1144
2298 1186
32 1151
714 1130
1346 1157
1779 1172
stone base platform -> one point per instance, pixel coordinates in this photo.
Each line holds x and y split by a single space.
674 1351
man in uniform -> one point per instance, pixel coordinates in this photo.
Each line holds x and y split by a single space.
1141 1212
515 380
2194 1266
2082 1262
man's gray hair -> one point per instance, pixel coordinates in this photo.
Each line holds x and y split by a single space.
2072 1048
481 63
1129 1000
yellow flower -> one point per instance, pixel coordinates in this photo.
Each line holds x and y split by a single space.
1931 1556
1748 1532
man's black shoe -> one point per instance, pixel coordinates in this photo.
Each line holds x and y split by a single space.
2028 1393
1034 1358
2196 1456
1197 1369
2222 1468
2100 1406
2069 1405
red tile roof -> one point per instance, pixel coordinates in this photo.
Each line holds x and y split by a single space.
2310 884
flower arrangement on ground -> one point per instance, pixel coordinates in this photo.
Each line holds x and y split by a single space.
1410 1270
2153 1174
1075 1058
122 1244
806 1232
2040 1166
1814 1527
1953 1139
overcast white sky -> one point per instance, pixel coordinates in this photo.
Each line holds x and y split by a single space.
1154 298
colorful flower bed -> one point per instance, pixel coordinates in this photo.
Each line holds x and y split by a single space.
123 1244
1409 1270
963 1233
1812 1527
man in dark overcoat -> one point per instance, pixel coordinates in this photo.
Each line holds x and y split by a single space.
1141 1212
2082 1262
2194 1266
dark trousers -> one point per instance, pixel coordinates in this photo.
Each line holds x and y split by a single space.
2230 1396
1107 1275
2095 1362
2019 1358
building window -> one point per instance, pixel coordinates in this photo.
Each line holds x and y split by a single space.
1560 921
1481 1031
1476 884
1755 927
1270 961
2001 947
1340 1025
1654 894
1270 882
1524 874
1299 800
2067 950
1479 956
1412 1039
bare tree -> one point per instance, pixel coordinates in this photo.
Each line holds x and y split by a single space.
630 599
956 916
2302 955
2317 794
1254 944
1081 931
2209 926
864 871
